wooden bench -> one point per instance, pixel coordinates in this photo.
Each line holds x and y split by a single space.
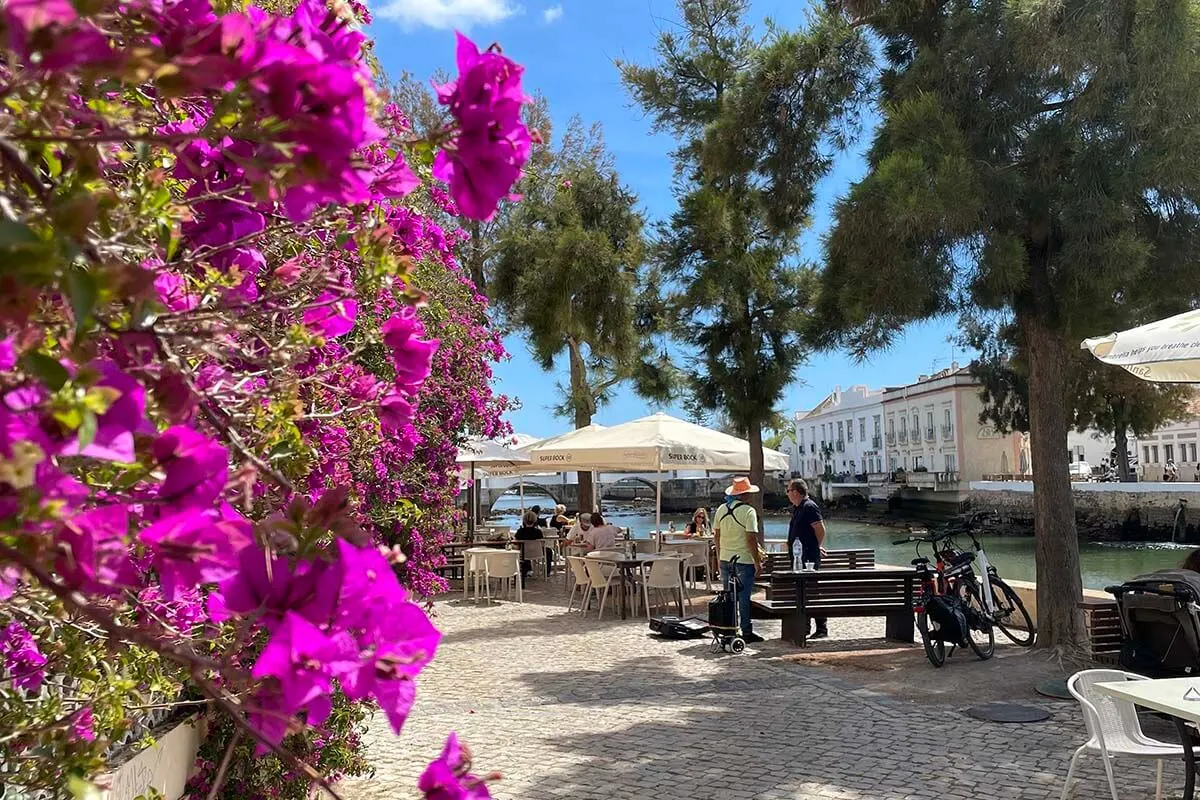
860 558
797 596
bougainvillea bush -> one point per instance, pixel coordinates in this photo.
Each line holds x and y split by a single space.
227 408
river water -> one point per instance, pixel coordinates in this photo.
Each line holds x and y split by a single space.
1103 564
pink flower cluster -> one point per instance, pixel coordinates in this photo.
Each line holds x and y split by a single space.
492 144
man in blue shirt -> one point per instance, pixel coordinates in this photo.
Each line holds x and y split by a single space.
808 528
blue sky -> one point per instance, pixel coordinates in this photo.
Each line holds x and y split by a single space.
568 48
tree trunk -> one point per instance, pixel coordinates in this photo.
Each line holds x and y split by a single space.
757 473
1121 439
1059 584
584 406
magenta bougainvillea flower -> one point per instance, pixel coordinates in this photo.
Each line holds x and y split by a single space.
93 554
196 467
189 549
493 144
448 777
332 316
83 725
304 661
22 660
113 437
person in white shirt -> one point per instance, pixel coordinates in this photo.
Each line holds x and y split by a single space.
583 523
601 536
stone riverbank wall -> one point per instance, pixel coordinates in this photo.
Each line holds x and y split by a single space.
1104 511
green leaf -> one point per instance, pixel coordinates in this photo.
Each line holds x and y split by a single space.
81 288
46 369
100 398
14 235
87 428
82 789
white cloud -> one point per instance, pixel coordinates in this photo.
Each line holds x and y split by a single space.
552 14
446 14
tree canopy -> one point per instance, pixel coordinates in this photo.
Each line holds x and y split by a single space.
1038 161
758 119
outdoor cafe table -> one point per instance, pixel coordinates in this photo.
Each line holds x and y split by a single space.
1170 696
626 565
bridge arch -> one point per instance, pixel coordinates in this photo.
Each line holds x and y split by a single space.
533 494
613 490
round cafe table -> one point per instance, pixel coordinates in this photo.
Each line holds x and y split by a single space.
626 565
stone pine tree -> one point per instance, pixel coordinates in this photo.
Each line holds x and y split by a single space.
1035 160
568 274
758 119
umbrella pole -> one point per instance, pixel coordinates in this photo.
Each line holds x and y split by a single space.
522 496
658 507
473 498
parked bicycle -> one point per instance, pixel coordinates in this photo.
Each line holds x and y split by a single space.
998 601
946 610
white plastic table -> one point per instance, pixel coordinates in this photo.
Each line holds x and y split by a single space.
1170 696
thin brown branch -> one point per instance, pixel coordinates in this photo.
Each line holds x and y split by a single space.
223 770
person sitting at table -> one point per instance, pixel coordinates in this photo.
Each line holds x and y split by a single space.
583 524
558 520
601 536
537 515
699 525
528 532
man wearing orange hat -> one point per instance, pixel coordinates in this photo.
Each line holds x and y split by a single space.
735 530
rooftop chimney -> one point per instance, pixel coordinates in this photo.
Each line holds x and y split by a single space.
922 378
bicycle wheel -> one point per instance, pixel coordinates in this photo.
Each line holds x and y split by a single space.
980 636
935 649
1011 617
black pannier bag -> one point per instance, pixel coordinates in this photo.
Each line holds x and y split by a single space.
1160 623
951 619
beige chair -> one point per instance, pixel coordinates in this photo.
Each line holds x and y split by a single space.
474 569
601 579
534 551
504 566
576 567
664 575
695 555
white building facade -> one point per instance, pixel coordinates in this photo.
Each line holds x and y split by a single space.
842 435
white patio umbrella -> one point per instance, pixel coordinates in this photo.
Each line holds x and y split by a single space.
655 443
1166 351
486 453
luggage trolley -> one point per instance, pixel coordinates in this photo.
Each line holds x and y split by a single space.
722 616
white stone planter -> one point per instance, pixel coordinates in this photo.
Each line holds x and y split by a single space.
165 766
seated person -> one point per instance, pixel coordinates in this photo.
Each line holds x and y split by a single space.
1192 561
601 536
699 525
528 532
537 515
558 520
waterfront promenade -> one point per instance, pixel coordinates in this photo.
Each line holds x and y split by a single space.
575 708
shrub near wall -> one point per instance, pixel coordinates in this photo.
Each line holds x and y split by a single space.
212 375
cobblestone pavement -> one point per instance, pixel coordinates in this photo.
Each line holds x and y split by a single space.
573 707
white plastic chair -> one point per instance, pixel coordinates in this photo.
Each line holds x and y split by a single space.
534 551
695 556
504 566
664 574
576 566
474 567
1113 727
601 577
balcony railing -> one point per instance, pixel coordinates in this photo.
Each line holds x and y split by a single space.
948 432
929 435
875 442
891 438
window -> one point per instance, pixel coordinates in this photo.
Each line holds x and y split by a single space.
1192 450
1070 456
876 420
823 436
862 429
946 418
1146 453
891 426
840 429
1154 453
892 462
850 431
929 420
1169 452
800 433
918 462
951 462
916 422
903 425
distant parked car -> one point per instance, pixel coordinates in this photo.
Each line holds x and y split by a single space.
1080 471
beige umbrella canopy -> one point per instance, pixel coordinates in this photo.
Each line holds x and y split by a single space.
1167 351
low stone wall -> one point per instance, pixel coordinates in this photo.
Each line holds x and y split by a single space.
164 766
1125 511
